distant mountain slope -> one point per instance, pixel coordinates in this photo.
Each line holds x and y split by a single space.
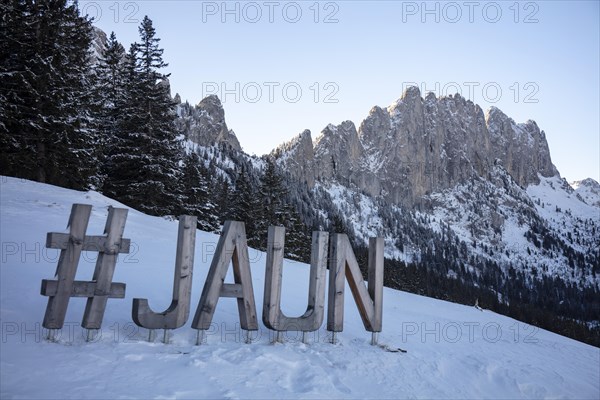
589 190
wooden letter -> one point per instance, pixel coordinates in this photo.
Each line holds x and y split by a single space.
343 265
273 317
178 312
232 247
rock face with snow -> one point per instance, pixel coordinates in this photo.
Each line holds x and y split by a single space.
522 148
344 162
299 158
205 124
98 45
419 146
588 190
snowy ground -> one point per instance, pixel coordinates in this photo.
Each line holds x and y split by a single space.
454 351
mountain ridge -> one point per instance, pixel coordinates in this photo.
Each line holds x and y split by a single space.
431 143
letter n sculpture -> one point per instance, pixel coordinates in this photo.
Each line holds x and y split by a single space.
101 288
342 266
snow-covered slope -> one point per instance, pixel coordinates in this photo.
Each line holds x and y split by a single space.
589 190
454 351
565 213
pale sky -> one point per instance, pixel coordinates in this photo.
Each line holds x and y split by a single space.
280 67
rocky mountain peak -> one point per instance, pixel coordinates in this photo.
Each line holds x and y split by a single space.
430 97
419 146
411 93
302 141
588 182
211 104
98 45
205 124
337 151
375 128
297 156
523 148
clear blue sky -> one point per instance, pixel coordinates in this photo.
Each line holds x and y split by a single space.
280 67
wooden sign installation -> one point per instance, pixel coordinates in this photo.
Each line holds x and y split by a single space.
231 248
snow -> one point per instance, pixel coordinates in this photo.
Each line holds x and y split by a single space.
565 212
589 190
554 192
373 161
454 351
558 207
362 216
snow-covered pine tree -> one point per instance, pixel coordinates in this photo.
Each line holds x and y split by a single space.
298 238
17 153
272 198
221 194
195 197
271 208
143 168
241 205
110 99
45 99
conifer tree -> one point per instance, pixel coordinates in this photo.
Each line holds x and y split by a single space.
240 207
272 209
143 167
221 195
195 197
272 197
298 237
45 93
110 98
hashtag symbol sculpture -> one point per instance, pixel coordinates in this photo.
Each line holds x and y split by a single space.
101 288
